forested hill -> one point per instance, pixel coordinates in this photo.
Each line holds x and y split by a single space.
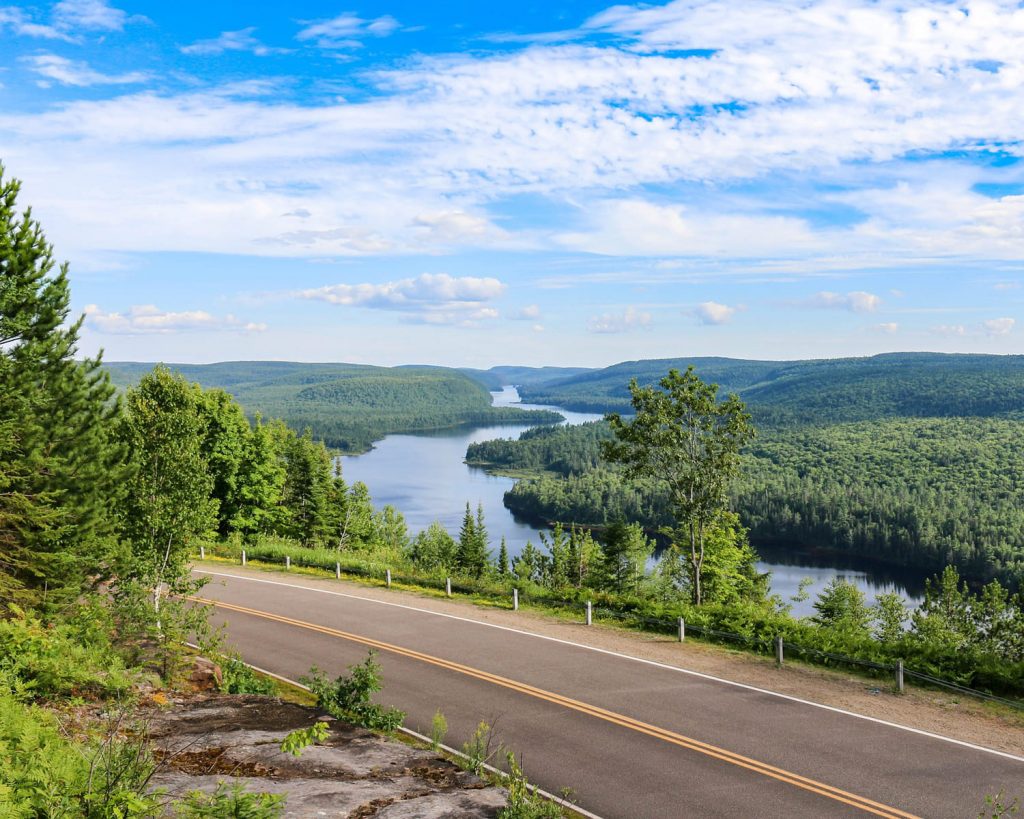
497 377
826 390
348 406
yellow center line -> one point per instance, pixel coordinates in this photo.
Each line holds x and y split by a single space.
780 774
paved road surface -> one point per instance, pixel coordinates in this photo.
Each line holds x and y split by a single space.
632 738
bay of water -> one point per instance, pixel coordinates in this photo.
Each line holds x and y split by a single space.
426 478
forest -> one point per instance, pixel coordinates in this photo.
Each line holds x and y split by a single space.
348 406
913 492
784 393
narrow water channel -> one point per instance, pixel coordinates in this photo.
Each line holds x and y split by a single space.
425 477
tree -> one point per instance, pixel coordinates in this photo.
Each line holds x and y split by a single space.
502 567
684 436
225 446
307 489
625 550
259 483
841 605
434 548
169 502
62 472
473 555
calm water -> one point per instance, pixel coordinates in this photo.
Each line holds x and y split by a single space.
426 478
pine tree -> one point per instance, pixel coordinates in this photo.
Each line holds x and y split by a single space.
307 490
472 557
259 484
62 472
503 559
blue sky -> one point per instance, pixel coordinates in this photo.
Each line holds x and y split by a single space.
550 183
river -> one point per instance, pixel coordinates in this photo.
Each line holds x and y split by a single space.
425 477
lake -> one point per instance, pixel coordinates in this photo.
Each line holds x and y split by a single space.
426 478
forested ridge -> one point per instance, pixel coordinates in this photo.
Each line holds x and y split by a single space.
824 391
914 492
348 406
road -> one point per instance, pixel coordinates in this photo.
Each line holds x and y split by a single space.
631 738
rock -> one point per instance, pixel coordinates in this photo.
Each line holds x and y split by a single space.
354 773
205 675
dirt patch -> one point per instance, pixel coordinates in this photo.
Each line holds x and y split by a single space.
958 717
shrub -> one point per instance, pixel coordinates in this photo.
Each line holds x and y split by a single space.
348 697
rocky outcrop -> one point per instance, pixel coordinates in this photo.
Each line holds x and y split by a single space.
354 773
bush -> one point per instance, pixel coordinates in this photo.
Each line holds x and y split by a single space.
348 697
238 678
231 801
45 662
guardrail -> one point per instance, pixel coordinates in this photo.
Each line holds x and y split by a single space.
776 645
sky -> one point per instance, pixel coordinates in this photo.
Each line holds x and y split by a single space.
560 183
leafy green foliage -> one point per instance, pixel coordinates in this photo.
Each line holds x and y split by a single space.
231 801
438 730
480 749
61 474
301 738
348 696
238 678
684 437
62 660
44 773
523 800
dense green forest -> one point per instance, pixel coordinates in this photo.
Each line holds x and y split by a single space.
348 406
497 377
828 391
913 492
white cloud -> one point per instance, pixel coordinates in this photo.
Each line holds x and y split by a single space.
241 40
627 321
346 30
95 15
17 21
829 92
147 318
637 227
998 326
530 312
66 19
888 327
79 74
857 301
711 312
431 298
954 330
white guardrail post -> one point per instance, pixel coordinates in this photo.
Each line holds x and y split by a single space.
515 599
202 553
337 570
287 561
899 676
388 577
590 613
448 586
778 651
243 557
682 629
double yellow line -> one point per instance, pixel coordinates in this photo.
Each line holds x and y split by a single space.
713 751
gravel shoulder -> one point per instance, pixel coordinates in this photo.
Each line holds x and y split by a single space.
939 712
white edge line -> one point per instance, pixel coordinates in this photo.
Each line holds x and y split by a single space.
654 663
423 738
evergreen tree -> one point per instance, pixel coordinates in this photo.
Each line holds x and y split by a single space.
259 484
307 488
502 567
62 471
473 556
357 527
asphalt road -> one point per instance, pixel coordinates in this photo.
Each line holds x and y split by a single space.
631 738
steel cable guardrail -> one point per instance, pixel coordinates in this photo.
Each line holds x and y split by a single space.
628 616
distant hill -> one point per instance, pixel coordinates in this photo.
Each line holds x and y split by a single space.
349 406
497 377
824 390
